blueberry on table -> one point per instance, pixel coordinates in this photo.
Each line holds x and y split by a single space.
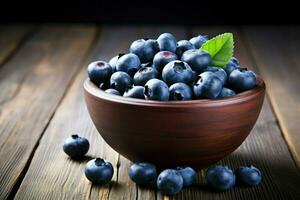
120 81
226 92
198 60
248 175
180 92
145 49
142 173
221 74
188 174
220 177
128 63
99 72
135 92
144 74
167 42
113 91
162 58
199 40
242 79
76 146
208 86
99 171
169 182
182 46
177 72
232 65
156 89
113 62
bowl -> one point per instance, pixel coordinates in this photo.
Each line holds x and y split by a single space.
196 133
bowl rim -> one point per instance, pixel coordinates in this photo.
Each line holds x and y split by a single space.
96 93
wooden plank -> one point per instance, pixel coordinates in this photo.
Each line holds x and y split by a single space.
32 84
276 52
11 36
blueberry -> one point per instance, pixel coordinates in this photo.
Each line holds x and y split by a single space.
235 60
144 74
162 58
145 49
76 146
135 92
220 177
208 86
182 46
248 175
128 63
199 40
99 72
105 85
120 81
169 182
142 173
148 64
197 59
167 42
99 171
242 79
156 89
177 72
232 65
221 74
188 175
180 92
113 62
226 92
113 91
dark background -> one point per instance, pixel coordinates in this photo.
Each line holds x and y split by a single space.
155 11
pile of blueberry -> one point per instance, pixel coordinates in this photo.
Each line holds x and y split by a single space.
169 181
165 69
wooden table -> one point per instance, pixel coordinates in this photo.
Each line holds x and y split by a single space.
42 69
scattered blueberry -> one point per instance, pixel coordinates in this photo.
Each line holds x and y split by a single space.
169 182
76 146
199 40
135 92
142 173
144 74
197 59
113 62
120 81
167 42
232 65
208 86
221 74
180 92
182 46
226 92
99 171
188 175
177 72
128 63
248 175
113 91
156 89
99 72
162 58
145 49
242 79
220 177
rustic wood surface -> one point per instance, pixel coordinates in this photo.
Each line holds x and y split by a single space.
41 103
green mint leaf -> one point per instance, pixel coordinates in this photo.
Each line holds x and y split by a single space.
220 48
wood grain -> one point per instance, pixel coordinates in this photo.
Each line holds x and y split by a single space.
31 86
11 37
276 52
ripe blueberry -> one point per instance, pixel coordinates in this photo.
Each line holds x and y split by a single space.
99 72
242 79
199 40
208 86
128 63
113 62
145 49
226 92
120 81
220 177
180 92
162 58
248 175
76 146
177 71
156 89
135 92
144 74
232 65
169 182
221 74
197 59
188 175
113 91
167 42
99 171
182 46
142 173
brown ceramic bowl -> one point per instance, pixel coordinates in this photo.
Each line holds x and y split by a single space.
196 133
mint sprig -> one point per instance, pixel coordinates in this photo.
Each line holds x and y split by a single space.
220 48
